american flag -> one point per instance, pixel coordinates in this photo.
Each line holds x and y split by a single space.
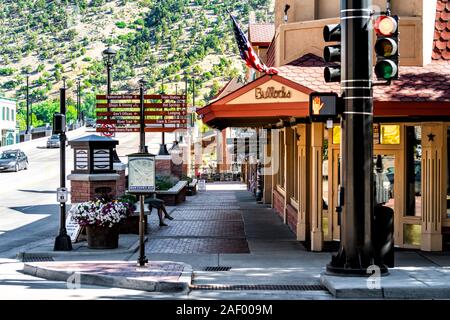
247 53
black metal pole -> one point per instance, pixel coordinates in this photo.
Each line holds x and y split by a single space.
78 101
193 101
356 252
28 105
142 260
142 118
62 241
163 148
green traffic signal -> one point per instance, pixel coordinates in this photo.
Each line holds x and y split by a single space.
386 69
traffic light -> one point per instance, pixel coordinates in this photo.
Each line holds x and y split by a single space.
332 33
386 47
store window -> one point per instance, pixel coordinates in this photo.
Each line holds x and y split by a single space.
325 193
413 171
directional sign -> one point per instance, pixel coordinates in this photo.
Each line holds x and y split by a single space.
118 97
117 129
118 121
164 129
117 105
119 114
166 121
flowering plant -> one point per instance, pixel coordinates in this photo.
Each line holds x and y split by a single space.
100 213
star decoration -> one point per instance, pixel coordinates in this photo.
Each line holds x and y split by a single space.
431 137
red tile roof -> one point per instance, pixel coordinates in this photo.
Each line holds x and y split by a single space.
231 86
261 34
429 83
441 44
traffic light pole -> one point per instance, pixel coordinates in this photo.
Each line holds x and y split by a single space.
62 241
356 252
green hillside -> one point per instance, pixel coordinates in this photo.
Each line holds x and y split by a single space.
155 39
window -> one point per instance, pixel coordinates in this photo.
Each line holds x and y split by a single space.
413 171
7 113
390 134
3 113
12 115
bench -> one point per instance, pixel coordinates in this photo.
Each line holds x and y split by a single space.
174 195
192 188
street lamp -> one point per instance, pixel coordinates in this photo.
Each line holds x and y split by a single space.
108 58
28 105
79 100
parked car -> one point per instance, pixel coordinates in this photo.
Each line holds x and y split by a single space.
13 160
90 123
53 141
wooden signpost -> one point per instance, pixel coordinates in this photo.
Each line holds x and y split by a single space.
162 113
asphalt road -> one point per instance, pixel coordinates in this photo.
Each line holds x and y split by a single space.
28 207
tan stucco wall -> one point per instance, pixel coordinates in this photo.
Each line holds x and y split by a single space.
249 97
303 33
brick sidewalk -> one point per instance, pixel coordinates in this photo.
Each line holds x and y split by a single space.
209 222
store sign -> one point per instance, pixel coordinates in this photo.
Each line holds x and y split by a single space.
272 93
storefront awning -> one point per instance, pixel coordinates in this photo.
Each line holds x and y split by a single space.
265 101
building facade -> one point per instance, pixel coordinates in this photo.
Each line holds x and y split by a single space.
301 160
8 121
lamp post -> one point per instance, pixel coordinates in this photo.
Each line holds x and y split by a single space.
78 101
163 148
142 83
108 58
62 241
28 105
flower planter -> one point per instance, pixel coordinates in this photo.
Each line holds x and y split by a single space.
102 237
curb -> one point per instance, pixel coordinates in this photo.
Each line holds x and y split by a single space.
180 286
133 248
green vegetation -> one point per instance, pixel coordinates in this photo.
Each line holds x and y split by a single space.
157 39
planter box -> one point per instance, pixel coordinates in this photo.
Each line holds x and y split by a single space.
131 224
174 195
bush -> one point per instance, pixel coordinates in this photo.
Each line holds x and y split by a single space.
121 25
165 183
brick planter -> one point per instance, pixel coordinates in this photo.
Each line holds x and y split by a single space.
174 195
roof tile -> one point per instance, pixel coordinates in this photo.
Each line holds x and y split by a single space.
428 83
441 45
261 32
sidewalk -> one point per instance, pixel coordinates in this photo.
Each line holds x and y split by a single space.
239 249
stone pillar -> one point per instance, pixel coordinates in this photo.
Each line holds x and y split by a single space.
433 185
120 168
163 166
303 188
316 186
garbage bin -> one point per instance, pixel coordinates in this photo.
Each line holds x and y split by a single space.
383 235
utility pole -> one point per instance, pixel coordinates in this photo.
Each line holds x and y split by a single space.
78 101
356 252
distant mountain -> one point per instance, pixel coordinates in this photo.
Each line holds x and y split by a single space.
155 39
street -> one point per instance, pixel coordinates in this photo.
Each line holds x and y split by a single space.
28 207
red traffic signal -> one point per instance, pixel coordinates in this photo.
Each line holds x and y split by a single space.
386 26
